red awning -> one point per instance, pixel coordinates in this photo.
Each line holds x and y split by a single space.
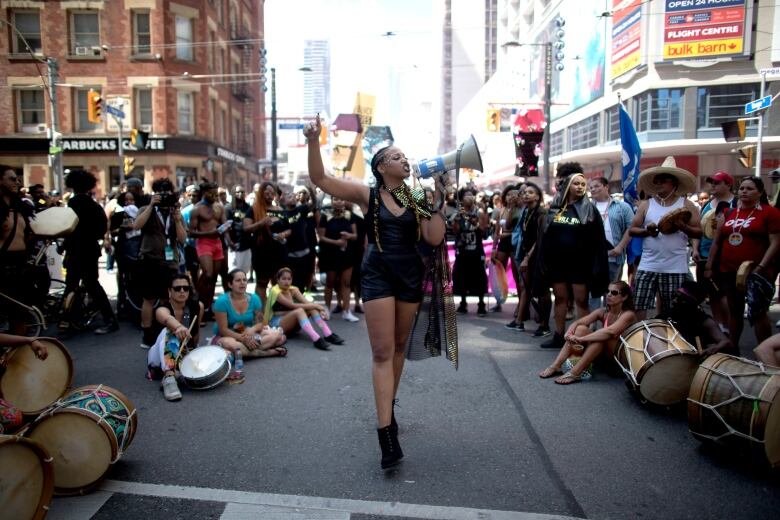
529 121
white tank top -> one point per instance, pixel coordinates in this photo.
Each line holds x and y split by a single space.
664 253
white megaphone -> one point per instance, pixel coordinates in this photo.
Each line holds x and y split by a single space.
465 156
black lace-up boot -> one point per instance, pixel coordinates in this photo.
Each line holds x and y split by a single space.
391 450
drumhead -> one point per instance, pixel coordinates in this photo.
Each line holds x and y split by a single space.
772 427
202 362
668 380
54 222
26 491
33 385
82 449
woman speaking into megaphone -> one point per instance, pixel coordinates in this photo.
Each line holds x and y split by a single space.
393 271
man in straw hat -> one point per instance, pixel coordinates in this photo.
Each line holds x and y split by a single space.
664 264
721 183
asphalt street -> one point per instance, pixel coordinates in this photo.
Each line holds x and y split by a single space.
490 440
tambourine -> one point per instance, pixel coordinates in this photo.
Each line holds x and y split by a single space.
745 268
709 222
670 223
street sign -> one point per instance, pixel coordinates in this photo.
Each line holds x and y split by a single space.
115 112
770 72
758 104
55 149
291 126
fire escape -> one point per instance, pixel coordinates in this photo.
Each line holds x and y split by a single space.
241 38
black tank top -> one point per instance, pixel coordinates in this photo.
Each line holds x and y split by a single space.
396 234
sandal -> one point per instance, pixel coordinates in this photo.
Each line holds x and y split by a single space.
281 350
549 372
568 378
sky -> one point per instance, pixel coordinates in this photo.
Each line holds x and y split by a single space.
401 70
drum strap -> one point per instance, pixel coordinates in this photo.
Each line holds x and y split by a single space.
11 236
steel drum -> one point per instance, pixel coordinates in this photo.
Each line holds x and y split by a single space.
205 367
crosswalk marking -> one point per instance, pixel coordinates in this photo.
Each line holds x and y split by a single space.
255 512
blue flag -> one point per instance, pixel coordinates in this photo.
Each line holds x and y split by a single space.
631 155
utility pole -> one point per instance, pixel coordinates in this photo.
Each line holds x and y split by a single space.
55 159
120 148
547 104
274 144
760 126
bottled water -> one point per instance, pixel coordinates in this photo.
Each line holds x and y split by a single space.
238 369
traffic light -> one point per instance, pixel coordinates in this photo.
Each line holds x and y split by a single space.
138 138
94 106
493 120
747 155
733 130
129 165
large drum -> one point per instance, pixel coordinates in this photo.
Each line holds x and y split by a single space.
85 431
657 361
736 402
54 222
31 384
26 479
205 367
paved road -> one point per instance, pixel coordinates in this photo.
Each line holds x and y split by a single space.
490 440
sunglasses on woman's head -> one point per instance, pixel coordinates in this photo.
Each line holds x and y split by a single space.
614 293
180 288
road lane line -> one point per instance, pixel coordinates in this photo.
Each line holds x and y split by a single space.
574 506
320 503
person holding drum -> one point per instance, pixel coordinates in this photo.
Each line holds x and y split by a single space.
287 308
10 416
176 315
664 262
748 233
616 317
393 272
239 322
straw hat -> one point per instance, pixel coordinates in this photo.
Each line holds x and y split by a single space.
686 182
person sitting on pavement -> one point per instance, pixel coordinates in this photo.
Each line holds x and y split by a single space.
239 322
616 317
287 308
176 315
11 418
696 326
768 351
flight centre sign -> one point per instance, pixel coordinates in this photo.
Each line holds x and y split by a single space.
709 29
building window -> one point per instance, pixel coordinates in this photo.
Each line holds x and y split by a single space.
213 118
183 38
186 119
556 143
210 51
584 134
144 114
659 110
222 127
82 123
613 123
236 132
142 33
722 103
84 33
28 25
32 113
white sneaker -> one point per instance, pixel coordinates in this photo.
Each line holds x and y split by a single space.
145 346
348 316
170 388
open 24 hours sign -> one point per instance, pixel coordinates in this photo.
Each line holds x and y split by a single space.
695 29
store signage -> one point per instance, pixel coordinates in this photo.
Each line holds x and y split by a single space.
626 36
231 156
758 104
695 29
99 144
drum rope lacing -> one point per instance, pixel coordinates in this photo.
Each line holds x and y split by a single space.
762 370
629 372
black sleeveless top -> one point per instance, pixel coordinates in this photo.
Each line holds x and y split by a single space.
396 234
194 310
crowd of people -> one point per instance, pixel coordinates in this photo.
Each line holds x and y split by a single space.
581 256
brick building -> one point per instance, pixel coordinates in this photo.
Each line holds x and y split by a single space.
176 67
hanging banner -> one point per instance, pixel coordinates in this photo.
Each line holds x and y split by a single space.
626 36
695 29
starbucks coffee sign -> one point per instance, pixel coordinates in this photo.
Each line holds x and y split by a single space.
98 144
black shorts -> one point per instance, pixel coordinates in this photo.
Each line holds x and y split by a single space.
155 278
397 275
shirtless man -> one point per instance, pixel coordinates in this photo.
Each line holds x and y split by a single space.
205 219
15 215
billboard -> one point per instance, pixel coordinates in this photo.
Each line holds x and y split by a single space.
626 37
695 29
582 78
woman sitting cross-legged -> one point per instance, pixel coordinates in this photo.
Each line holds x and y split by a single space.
287 308
239 323
175 316
616 317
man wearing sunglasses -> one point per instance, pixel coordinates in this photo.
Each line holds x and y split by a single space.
721 184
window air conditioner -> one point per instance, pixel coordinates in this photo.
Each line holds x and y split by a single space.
81 51
42 128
